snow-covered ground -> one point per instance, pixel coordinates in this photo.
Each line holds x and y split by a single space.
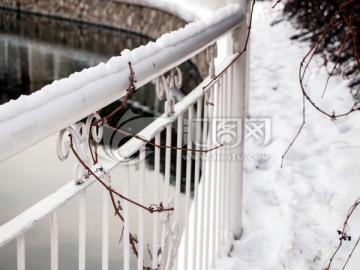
292 214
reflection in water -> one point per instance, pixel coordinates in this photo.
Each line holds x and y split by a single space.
34 51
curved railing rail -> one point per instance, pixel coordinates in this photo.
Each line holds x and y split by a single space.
30 119
211 217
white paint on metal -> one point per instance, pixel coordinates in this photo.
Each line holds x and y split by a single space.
105 226
54 235
80 133
21 252
172 82
156 223
82 230
140 235
195 235
207 184
126 219
188 183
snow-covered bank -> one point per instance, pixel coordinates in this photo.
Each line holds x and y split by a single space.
291 215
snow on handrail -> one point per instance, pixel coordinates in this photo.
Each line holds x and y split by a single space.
30 119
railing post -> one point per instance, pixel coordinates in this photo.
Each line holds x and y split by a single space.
21 252
54 232
238 87
105 226
82 230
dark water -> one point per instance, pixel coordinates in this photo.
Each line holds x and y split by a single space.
34 51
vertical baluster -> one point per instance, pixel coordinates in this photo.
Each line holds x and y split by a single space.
218 171
204 162
54 235
207 185
141 210
82 230
178 166
223 168
238 110
21 252
229 164
188 184
223 165
126 218
167 161
213 192
196 202
247 66
156 200
105 228
166 190
180 131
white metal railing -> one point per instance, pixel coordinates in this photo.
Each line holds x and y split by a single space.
201 226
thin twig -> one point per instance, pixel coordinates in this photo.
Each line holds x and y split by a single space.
333 256
277 2
351 253
336 63
297 134
159 146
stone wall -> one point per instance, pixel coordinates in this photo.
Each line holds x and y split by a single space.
144 20
79 36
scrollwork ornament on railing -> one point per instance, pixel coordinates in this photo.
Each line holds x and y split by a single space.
80 136
167 85
211 54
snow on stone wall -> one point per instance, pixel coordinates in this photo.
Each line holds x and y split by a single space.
146 20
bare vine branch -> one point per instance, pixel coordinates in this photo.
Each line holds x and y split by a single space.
108 187
351 253
343 232
342 20
334 23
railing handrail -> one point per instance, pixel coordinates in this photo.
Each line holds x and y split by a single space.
30 217
30 119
